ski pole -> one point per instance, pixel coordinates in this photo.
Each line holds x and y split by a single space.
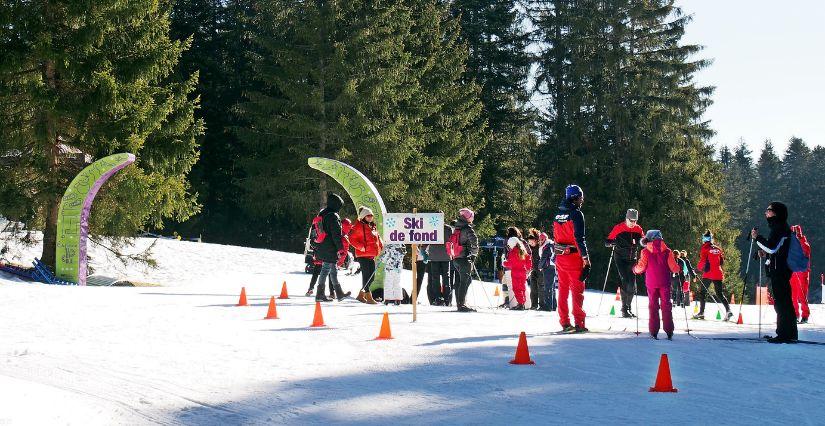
759 297
747 270
707 292
604 287
481 282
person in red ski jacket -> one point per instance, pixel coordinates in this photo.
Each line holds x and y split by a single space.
367 243
572 258
800 281
519 262
711 261
624 240
657 263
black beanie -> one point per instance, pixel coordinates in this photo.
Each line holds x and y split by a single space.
334 202
780 210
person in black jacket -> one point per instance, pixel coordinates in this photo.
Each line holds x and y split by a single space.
439 289
331 251
536 279
775 247
464 262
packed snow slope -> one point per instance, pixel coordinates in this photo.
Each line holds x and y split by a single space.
185 354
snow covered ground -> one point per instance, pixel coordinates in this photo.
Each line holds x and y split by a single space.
185 354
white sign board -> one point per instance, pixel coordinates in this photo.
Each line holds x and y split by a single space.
414 228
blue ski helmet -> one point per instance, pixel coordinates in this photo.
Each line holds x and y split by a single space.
573 191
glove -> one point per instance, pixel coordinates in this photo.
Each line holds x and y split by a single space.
610 243
585 273
342 257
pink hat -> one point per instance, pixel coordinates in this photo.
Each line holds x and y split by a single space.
467 214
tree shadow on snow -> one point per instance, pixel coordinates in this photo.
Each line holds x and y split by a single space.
579 380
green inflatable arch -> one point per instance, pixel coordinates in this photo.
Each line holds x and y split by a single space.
362 192
73 216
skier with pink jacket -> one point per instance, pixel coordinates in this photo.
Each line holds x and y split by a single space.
657 263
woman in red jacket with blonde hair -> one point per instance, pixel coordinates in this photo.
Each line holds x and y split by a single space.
367 243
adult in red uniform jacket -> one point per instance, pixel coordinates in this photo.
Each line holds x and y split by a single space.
572 257
800 281
711 260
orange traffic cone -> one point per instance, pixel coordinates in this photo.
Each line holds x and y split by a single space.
318 320
739 321
732 299
522 352
284 294
242 300
273 312
618 294
497 292
385 333
663 381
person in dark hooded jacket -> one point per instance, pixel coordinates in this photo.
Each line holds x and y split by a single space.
775 248
464 262
439 289
330 251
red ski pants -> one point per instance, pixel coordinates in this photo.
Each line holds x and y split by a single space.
799 293
569 271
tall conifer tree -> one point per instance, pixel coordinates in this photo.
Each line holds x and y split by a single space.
92 79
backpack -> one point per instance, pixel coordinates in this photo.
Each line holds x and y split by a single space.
318 235
797 261
453 246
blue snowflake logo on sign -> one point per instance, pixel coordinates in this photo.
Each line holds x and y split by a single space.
390 222
433 221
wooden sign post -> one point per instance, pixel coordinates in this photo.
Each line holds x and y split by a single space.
415 278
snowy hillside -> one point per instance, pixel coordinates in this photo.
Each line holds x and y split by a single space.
184 353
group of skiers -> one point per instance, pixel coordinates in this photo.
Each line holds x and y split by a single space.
563 260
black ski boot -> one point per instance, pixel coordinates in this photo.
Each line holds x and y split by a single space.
322 298
568 328
654 337
699 317
626 313
670 336
465 308
580 330
519 307
728 316
803 321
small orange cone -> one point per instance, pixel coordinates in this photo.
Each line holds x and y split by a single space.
318 320
732 299
739 321
284 294
522 352
497 293
385 333
618 294
242 300
663 381
273 312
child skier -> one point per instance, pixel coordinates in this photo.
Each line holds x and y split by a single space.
657 263
519 263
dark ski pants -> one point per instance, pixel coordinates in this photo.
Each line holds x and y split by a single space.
316 271
536 289
549 303
627 286
421 269
462 271
783 305
719 289
329 269
367 272
438 285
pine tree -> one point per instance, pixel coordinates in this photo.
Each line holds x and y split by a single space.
375 84
220 33
498 61
624 119
78 82
768 172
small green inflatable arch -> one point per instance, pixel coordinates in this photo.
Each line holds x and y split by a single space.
73 216
362 192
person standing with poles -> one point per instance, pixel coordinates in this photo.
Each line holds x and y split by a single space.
367 243
548 269
657 263
331 250
800 281
711 260
624 239
776 248
536 279
572 258
463 249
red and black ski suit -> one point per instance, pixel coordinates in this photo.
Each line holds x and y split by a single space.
711 260
625 242
800 280
571 250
